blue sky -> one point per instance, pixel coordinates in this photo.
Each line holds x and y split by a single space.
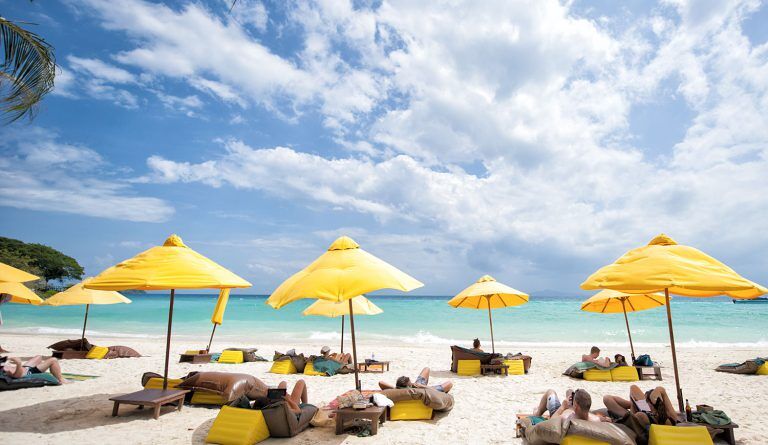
535 141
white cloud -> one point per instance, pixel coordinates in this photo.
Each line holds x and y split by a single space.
249 12
100 70
42 173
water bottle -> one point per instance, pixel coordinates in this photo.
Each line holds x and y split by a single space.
373 357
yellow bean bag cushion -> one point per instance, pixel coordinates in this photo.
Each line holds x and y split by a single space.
157 383
232 357
207 398
309 369
763 370
283 367
679 435
410 410
581 440
194 352
516 367
97 352
624 374
468 367
238 426
598 375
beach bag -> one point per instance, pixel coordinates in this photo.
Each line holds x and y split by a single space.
643 360
715 418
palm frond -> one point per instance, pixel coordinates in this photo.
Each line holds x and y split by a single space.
27 70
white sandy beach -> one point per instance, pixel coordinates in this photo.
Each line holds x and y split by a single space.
484 412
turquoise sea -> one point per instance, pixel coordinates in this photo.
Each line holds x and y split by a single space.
553 320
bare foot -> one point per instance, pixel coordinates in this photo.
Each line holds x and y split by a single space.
65 381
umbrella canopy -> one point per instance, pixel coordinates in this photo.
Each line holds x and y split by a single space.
79 294
487 293
610 301
218 313
665 266
170 266
10 273
19 293
343 272
325 308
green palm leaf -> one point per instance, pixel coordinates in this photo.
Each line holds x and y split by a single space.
27 70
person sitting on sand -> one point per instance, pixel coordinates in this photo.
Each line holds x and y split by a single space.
297 398
620 360
651 407
594 357
576 404
15 368
476 345
344 359
422 381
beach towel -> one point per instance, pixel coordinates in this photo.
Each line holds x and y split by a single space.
330 367
576 370
715 418
747 367
78 377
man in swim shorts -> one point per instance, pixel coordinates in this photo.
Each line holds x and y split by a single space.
422 381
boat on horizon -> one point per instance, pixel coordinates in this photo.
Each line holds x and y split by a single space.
755 300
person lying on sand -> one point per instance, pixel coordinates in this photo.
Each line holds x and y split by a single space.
651 407
476 345
344 359
594 357
422 381
297 398
576 404
15 368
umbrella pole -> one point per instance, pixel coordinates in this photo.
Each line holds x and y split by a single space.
82 338
354 346
626 320
490 319
674 353
168 341
208 349
342 334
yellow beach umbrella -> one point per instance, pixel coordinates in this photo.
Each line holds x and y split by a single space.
12 274
610 301
665 266
340 274
168 267
19 293
333 309
487 293
218 313
79 294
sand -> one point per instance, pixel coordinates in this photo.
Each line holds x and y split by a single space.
484 413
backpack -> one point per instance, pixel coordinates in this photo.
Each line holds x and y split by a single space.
643 360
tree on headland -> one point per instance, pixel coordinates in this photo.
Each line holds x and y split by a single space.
39 259
27 70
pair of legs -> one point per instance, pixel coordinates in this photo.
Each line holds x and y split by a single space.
549 401
344 359
49 364
619 406
422 381
296 397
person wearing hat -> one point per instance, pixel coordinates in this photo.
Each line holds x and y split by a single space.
344 359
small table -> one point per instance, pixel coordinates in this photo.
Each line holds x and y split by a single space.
66 355
151 397
377 367
502 368
654 375
376 414
195 359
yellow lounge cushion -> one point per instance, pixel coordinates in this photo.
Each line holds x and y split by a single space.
624 374
516 367
763 370
207 398
193 352
97 352
283 367
238 426
232 357
468 367
598 375
679 435
410 410
581 440
309 369
157 383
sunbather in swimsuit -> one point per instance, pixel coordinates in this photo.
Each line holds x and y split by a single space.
344 359
594 357
15 368
422 381
651 407
550 406
297 399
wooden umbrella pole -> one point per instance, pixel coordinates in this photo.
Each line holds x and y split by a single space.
208 349
626 320
342 334
674 353
168 341
354 346
490 319
82 337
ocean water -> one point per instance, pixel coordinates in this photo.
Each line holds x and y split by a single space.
551 320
